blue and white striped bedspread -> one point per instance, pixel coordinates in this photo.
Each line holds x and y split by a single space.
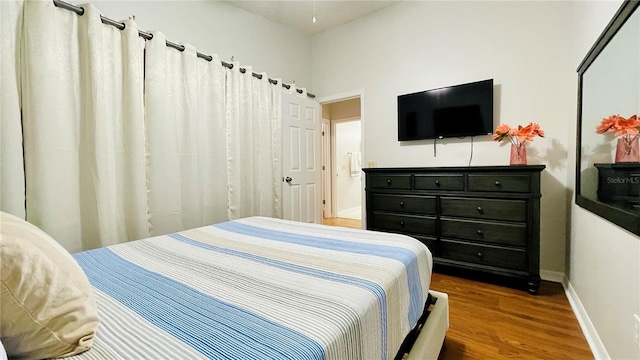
258 288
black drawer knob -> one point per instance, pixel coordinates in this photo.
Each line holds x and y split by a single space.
480 210
437 182
388 181
479 232
480 255
401 204
402 223
497 183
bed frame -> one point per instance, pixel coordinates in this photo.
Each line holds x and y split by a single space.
430 336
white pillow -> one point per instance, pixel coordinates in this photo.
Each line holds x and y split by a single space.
3 353
47 306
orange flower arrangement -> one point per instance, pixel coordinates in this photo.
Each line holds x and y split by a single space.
627 129
518 136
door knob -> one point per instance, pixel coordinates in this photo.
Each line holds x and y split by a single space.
288 179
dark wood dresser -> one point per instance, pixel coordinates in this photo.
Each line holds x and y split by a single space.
482 219
619 185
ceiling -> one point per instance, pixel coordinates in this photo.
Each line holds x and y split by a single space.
298 14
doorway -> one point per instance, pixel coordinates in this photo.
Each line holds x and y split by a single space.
342 159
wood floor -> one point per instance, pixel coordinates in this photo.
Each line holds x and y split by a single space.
489 321
496 322
350 223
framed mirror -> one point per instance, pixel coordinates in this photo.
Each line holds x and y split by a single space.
609 84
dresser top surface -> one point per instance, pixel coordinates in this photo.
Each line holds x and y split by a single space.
506 168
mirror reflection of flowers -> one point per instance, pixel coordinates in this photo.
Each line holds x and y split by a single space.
518 136
627 129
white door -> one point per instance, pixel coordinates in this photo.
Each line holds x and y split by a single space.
301 150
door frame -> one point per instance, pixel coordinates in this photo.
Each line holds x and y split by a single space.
348 96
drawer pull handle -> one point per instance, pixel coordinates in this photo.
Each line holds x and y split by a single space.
480 255
497 183
388 181
402 223
479 232
401 204
480 210
437 182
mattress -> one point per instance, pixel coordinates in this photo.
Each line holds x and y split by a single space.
258 288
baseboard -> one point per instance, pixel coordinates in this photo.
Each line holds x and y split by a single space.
553 276
590 333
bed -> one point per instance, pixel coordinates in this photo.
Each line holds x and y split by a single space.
264 288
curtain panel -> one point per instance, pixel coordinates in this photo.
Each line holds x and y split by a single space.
83 127
275 92
254 137
186 153
12 196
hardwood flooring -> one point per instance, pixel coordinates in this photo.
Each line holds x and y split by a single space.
489 321
350 223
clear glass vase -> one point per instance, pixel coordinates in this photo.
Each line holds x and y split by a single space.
627 150
518 154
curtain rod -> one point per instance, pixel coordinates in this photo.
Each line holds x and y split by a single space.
147 36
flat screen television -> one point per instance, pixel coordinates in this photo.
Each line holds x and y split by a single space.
453 111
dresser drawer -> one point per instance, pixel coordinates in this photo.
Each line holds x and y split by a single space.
490 232
405 223
479 208
405 203
391 181
514 259
501 183
439 182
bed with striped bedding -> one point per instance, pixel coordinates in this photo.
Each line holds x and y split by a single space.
258 288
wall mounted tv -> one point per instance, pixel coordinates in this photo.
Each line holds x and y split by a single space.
453 111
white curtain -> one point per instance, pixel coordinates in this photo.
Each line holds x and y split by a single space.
12 194
107 151
83 127
186 154
254 109
276 146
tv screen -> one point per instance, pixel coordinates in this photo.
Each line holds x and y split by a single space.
454 111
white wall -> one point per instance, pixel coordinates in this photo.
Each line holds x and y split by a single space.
347 139
603 265
604 271
526 47
215 27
